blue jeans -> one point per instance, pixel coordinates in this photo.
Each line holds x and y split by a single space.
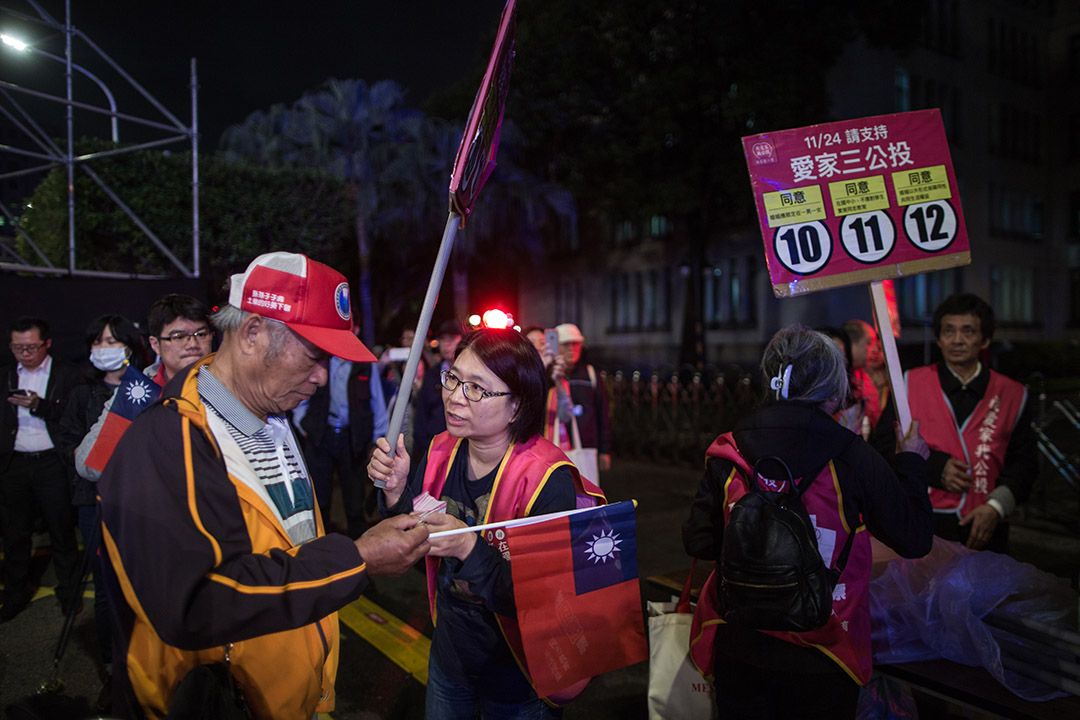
448 701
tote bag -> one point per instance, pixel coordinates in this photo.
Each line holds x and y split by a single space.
677 691
584 459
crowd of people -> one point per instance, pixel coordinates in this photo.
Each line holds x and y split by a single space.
208 520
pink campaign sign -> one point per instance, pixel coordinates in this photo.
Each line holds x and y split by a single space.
856 201
475 159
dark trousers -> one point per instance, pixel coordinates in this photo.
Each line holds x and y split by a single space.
335 450
87 515
746 691
37 484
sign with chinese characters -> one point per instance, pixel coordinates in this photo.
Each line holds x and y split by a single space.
856 201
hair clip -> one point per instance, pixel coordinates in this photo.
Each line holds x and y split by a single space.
781 381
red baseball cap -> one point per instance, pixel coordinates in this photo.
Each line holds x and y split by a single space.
311 298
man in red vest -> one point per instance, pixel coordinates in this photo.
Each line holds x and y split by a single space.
982 446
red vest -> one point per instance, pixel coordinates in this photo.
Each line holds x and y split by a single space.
551 417
845 638
981 442
522 474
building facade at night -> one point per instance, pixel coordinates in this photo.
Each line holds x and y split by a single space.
1006 76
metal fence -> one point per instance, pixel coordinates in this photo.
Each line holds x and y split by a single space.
672 416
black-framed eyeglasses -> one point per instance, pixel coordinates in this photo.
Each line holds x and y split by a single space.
183 337
471 391
17 349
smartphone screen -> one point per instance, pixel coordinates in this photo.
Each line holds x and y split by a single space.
551 340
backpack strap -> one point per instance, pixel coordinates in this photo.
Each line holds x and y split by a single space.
841 562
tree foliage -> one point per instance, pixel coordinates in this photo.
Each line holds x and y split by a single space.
244 210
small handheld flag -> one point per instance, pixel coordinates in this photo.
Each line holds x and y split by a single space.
136 393
577 595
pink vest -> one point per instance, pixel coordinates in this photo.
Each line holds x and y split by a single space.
522 474
551 417
845 638
981 442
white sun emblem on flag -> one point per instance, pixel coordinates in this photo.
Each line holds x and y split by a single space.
602 547
138 392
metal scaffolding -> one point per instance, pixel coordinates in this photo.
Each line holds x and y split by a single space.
53 156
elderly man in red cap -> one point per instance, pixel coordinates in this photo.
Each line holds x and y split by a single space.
216 553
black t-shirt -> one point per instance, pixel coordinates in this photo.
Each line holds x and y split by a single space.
467 644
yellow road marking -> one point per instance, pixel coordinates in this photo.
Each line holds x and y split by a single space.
406 646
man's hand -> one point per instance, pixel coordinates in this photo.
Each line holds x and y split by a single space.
394 545
604 461
558 368
983 521
955 477
456 546
30 400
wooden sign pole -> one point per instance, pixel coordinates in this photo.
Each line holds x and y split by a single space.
892 357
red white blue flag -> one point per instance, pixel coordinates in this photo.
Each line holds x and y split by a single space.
576 590
136 393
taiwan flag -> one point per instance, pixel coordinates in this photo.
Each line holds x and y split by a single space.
136 393
576 590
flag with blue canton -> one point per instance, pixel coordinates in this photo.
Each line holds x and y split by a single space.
577 596
604 548
136 393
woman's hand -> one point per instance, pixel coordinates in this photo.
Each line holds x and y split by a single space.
392 471
912 441
456 546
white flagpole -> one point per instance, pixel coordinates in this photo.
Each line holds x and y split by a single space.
518 522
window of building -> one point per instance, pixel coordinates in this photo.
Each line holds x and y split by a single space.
659 226
901 90
568 300
728 292
918 295
639 300
1012 294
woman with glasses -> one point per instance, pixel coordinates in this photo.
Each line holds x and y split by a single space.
492 464
113 343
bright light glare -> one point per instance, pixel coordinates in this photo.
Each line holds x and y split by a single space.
474 319
496 318
13 42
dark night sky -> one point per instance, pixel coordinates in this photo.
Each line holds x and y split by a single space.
251 55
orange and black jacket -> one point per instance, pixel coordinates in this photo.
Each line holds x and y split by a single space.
199 561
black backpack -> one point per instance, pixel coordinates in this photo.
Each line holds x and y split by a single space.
772 576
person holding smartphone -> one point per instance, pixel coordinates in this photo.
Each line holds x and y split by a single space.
33 478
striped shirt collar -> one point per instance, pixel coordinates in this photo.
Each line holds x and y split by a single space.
226 404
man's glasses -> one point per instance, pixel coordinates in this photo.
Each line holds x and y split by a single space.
183 337
471 391
21 349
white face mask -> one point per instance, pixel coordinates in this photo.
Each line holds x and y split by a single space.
106 359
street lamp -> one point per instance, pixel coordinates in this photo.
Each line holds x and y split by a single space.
17 44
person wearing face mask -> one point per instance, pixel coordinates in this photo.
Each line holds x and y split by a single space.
180 334
113 342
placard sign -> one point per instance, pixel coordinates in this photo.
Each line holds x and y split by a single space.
475 159
856 201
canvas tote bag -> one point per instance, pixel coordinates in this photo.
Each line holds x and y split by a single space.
677 690
584 459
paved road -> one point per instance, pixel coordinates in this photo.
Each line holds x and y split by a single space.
373 687
370 686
